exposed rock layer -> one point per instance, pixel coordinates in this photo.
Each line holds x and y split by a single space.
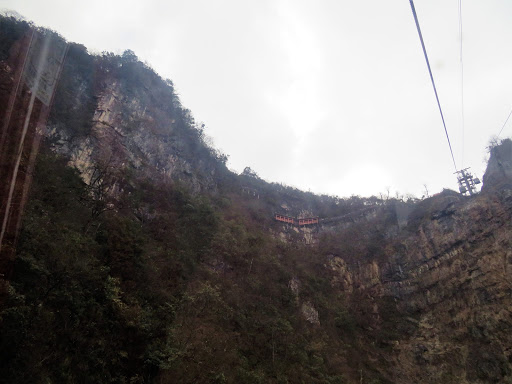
450 278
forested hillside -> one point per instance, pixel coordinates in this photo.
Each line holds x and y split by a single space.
142 258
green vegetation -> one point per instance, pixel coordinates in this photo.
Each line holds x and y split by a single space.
141 277
188 294
11 31
136 279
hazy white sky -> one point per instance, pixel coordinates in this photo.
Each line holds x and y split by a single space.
331 96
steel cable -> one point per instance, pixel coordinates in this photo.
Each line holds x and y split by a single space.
432 79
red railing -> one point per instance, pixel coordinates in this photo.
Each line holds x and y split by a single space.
308 221
285 219
292 220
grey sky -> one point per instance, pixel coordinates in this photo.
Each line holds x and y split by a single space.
328 96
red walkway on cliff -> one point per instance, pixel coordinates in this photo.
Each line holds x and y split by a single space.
294 221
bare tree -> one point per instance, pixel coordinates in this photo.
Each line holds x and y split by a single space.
426 193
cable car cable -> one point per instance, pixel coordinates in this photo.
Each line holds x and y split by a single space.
461 82
432 79
506 121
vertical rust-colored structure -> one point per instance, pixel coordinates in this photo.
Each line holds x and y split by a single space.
27 83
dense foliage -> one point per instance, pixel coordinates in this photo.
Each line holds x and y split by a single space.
154 283
192 292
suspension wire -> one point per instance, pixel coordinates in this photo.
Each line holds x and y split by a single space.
461 83
506 121
432 79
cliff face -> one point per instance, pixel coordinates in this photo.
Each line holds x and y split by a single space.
457 277
499 167
455 280
429 282
450 280
136 124
143 259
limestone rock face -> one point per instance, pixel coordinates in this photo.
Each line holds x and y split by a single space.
499 167
310 313
294 286
342 276
448 276
436 292
136 131
457 274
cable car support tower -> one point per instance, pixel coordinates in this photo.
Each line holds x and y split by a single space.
467 182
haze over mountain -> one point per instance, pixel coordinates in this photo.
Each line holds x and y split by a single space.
335 94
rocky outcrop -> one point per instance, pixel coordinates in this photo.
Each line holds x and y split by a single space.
499 167
310 313
442 293
456 282
134 129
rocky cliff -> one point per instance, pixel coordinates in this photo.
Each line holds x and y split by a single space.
499 167
449 277
136 123
143 259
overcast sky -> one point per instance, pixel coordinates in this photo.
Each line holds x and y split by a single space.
331 96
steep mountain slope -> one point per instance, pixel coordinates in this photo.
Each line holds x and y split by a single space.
143 259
